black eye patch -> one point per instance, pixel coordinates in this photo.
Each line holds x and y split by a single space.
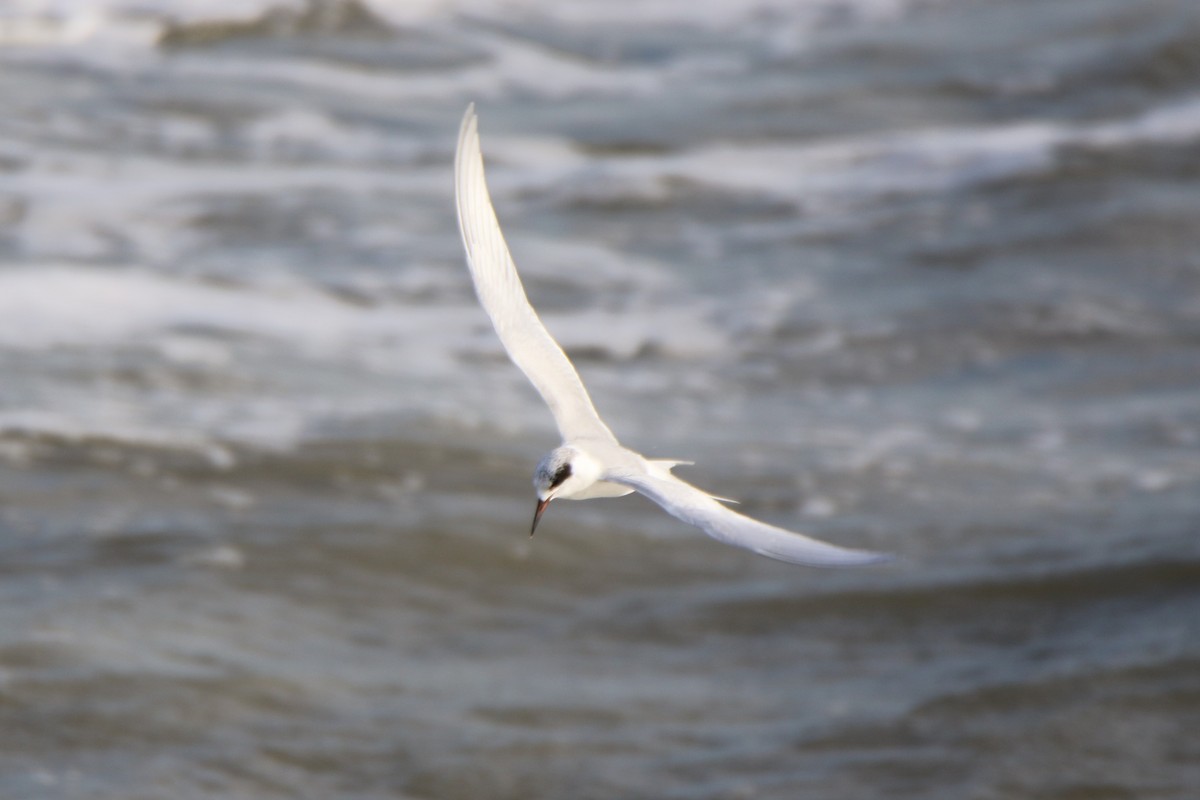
563 473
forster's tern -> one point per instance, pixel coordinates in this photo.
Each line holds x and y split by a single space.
590 462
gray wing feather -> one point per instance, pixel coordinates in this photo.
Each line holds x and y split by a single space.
529 344
694 506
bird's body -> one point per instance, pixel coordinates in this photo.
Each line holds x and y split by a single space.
591 463
586 461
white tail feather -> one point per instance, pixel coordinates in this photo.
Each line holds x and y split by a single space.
667 464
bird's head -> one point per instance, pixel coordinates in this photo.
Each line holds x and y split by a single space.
564 472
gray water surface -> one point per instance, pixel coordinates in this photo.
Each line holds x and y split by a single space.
919 276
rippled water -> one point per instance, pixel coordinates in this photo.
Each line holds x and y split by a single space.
915 275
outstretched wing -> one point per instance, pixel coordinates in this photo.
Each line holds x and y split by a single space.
695 507
529 344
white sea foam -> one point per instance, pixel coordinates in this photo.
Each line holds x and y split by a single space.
383 359
76 199
35 22
64 305
831 173
124 34
198 325
76 202
706 13
510 65
123 425
823 173
1176 122
312 135
131 24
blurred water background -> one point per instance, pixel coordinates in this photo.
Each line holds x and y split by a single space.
914 275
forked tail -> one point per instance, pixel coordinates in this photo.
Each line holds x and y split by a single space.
665 465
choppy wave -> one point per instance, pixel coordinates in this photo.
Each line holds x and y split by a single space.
906 274
52 306
72 21
846 172
203 349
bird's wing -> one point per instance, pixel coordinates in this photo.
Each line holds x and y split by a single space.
529 344
695 507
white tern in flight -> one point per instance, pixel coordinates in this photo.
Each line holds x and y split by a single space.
591 462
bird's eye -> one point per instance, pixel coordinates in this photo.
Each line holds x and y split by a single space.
563 473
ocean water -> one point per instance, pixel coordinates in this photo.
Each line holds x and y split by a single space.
915 275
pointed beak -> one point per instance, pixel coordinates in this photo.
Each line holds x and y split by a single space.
537 515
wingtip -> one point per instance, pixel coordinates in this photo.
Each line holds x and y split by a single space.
874 559
814 553
468 145
862 558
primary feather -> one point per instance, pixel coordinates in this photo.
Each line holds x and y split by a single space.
502 296
696 507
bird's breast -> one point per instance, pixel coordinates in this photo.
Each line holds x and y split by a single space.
601 489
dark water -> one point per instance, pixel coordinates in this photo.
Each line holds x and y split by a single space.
916 276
